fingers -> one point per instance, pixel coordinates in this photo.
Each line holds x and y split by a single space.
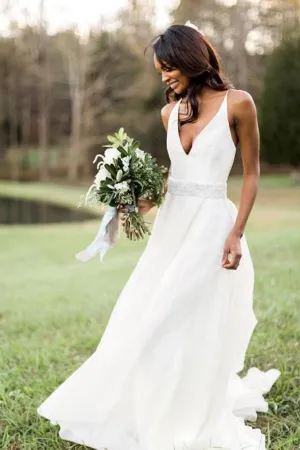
142 202
225 256
231 261
143 210
121 208
145 204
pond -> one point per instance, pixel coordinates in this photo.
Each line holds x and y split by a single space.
21 211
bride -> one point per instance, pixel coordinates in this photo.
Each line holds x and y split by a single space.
165 373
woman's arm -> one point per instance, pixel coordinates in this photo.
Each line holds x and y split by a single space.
245 116
248 134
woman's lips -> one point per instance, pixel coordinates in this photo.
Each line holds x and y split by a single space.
173 85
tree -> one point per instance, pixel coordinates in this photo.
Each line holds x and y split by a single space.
43 89
74 52
111 82
243 32
280 105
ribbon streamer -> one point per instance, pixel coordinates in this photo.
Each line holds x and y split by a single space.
107 236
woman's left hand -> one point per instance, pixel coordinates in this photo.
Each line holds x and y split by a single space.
232 248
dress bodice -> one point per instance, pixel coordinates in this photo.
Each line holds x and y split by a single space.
213 150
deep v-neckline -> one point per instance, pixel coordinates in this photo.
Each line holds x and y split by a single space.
201 131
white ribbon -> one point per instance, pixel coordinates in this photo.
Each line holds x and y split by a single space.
107 236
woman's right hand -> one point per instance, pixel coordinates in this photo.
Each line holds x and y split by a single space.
144 206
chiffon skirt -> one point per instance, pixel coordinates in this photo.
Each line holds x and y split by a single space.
164 375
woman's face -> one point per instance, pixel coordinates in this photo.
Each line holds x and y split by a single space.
172 77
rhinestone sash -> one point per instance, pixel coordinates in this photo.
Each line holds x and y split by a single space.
194 189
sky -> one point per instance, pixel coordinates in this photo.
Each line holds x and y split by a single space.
84 13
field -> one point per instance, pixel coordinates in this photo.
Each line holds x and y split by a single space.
53 309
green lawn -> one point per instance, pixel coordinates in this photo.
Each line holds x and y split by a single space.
53 309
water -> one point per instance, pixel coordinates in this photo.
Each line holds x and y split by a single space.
21 211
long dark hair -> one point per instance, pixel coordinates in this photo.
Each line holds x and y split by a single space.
186 49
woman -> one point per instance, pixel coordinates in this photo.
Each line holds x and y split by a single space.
164 375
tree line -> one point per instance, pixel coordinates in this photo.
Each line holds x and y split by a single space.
62 93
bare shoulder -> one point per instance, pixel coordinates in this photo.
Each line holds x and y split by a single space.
165 113
241 103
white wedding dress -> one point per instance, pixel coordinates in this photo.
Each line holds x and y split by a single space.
164 375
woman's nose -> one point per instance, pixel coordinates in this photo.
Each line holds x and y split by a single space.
164 77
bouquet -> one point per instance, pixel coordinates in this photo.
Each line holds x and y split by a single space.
125 174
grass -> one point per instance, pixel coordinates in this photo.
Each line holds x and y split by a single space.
53 309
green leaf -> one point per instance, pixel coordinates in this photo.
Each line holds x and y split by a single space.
111 138
111 169
120 133
138 182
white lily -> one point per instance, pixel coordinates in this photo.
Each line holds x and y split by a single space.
110 154
102 175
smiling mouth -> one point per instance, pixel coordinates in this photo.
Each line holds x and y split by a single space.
173 85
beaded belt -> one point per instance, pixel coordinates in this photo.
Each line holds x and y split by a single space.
194 189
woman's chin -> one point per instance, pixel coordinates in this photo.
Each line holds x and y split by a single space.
179 90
